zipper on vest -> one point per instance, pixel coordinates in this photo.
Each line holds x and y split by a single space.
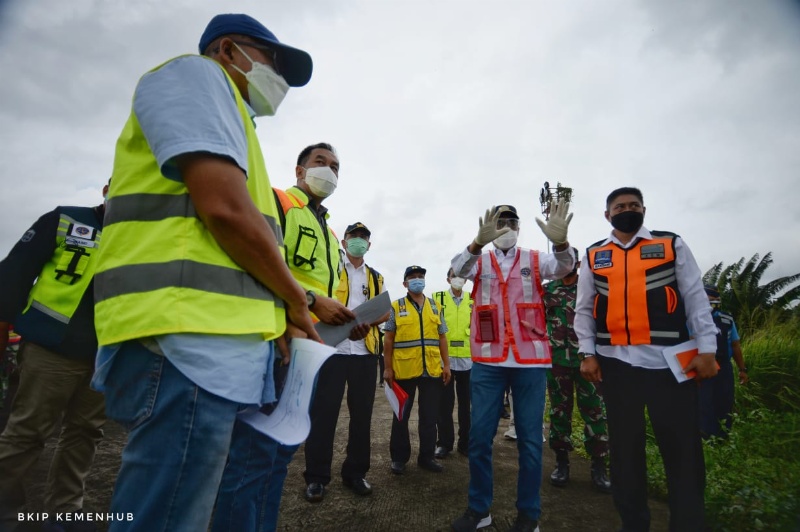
422 335
328 255
625 299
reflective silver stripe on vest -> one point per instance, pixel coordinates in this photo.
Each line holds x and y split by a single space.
486 296
660 283
157 207
527 284
456 343
416 343
601 291
50 312
659 279
137 278
604 335
664 334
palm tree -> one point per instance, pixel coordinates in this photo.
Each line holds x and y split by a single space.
751 303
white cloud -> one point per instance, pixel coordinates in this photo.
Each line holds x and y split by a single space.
440 109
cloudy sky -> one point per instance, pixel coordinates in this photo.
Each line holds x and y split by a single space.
442 108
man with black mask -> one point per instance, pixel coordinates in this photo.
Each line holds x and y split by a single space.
637 291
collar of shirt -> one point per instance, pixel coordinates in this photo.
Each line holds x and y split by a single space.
456 299
505 259
353 267
250 112
642 233
318 208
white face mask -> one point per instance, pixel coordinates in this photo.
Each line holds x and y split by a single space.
321 181
265 87
457 283
506 241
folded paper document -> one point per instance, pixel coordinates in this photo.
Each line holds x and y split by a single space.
679 356
397 398
290 423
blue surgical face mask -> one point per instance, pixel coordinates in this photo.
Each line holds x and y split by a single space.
416 286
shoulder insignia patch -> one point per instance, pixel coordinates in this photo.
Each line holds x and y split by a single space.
28 236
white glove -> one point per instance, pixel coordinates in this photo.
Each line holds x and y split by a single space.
487 227
555 229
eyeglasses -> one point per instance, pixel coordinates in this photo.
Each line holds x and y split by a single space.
508 222
271 54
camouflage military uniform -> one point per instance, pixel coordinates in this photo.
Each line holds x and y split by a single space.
564 379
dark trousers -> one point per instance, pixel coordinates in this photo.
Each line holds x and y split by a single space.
716 401
457 387
674 415
358 373
430 389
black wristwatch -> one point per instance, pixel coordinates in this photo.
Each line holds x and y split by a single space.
581 356
311 298
743 370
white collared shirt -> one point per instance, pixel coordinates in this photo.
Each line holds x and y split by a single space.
690 285
359 283
551 266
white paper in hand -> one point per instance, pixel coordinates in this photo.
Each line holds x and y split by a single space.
290 423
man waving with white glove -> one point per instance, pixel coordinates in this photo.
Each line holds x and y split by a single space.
509 347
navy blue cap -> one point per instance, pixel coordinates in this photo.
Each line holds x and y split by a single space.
507 211
293 64
711 290
356 226
414 269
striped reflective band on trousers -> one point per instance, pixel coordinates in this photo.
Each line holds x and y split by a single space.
157 207
136 278
652 281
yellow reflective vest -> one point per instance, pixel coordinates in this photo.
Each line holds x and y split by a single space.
64 279
374 340
416 340
457 319
312 250
160 270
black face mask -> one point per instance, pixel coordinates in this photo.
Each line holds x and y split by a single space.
628 221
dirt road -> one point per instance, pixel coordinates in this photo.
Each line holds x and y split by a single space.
415 501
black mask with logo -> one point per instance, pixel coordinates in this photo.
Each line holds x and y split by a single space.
628 221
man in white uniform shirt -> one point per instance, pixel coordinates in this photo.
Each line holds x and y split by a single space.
637 290
355 364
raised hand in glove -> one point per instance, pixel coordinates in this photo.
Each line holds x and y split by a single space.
487 227
555 228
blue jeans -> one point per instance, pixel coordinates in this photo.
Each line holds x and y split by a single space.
487 387
178 442
250 491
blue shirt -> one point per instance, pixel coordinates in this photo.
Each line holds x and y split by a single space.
733 334
188 106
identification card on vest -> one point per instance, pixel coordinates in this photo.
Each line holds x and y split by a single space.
602 259
81 235
652 251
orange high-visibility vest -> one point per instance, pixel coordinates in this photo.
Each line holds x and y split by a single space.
637 300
